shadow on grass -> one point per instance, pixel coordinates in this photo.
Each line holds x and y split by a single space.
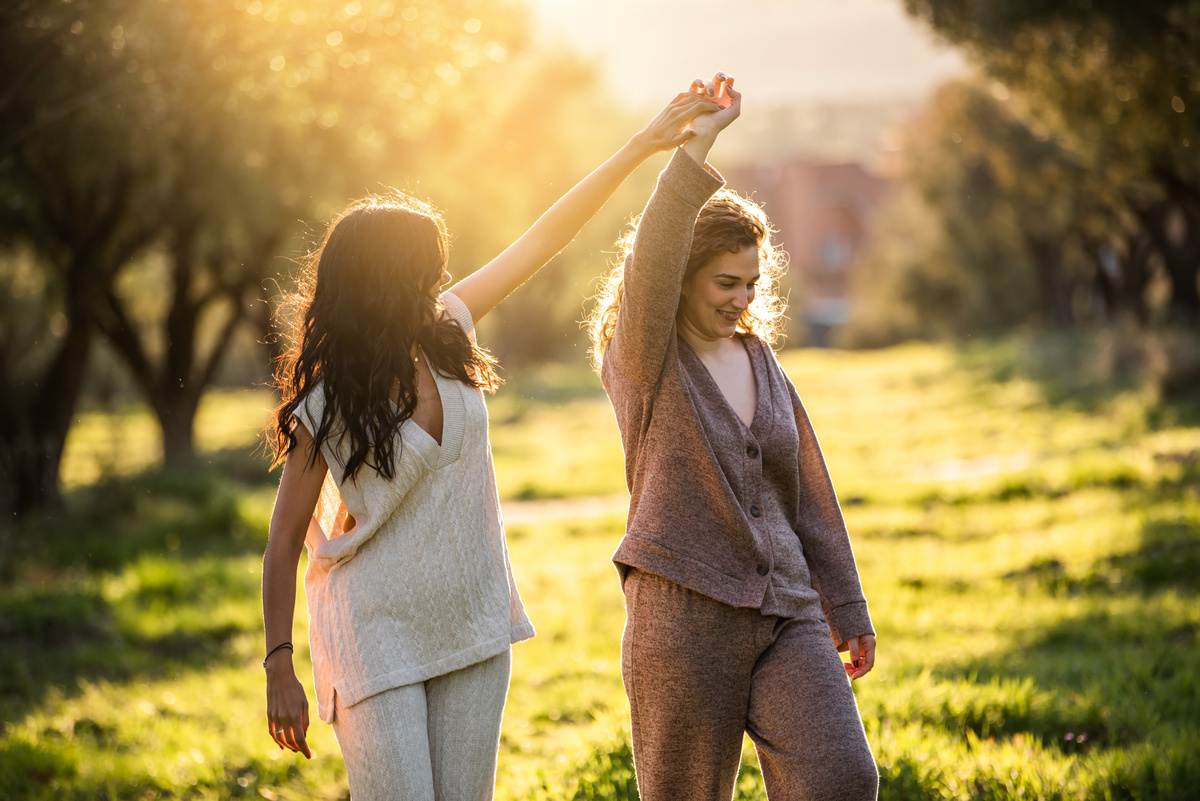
1167 559
120 583
1115 678
49 770
1176 476
1088 369
151 621
102 527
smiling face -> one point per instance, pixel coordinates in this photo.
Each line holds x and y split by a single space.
716 295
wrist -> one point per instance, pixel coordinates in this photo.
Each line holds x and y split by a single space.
279 664
638 148
698 147
283 647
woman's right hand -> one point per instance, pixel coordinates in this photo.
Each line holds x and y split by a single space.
287 705
707 127
729 101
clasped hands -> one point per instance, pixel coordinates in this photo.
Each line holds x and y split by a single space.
703 111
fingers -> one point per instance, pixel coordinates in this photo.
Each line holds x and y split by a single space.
684 136
853 665
690 109
299 743
719 89
291 737
304 734
279 733
288 730
868 654
862 652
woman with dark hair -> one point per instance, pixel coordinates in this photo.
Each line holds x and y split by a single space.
740 584
388 480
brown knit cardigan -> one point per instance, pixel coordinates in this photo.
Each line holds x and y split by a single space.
694 476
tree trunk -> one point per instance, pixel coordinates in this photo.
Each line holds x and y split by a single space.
1135 275
174 384
176 412
1053 287
29 473
36 422
1174 227
1181 255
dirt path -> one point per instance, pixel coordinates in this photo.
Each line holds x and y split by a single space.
516 512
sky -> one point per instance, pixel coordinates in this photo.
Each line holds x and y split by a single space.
781 51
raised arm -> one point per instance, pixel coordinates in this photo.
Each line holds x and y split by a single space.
655 267
287 705
486 287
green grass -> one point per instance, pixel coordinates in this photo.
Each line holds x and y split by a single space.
1029 541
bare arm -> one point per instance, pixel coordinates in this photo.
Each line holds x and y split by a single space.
486 287
287 705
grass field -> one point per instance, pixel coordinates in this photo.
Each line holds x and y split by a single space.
1028 532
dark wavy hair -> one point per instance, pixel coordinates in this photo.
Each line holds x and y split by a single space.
365 296
728 223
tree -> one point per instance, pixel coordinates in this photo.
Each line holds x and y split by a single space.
206 129
262 114
82 217
1119 84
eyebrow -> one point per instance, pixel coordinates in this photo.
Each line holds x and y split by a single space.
737 277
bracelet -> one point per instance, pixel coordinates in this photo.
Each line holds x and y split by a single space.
281 645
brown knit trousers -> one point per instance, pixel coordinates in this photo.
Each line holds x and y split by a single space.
699 673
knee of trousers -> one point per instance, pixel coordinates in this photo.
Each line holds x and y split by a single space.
861 777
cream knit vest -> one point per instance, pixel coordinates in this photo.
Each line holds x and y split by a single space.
421 585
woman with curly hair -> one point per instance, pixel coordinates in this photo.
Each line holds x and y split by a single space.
740 583
388 480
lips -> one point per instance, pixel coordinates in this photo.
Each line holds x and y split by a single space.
730 316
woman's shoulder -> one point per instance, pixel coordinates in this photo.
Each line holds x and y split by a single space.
310 404
457 310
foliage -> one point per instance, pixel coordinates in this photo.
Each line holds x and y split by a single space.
998 226
1109 90
157 159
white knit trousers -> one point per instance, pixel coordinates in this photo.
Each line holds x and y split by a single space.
432 741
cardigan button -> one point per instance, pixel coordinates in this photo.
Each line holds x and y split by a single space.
762 570
752 451
754 511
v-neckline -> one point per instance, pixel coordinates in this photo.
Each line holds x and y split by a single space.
758 393
439 454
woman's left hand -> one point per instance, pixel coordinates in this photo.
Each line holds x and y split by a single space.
671 128
862 656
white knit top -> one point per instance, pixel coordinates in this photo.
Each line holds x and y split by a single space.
421 585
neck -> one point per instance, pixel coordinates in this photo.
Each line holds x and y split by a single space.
700 343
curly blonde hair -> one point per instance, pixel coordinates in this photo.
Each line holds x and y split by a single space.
728 223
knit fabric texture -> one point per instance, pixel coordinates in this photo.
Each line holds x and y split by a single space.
421 585
704 503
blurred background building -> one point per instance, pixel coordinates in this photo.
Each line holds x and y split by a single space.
823 213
